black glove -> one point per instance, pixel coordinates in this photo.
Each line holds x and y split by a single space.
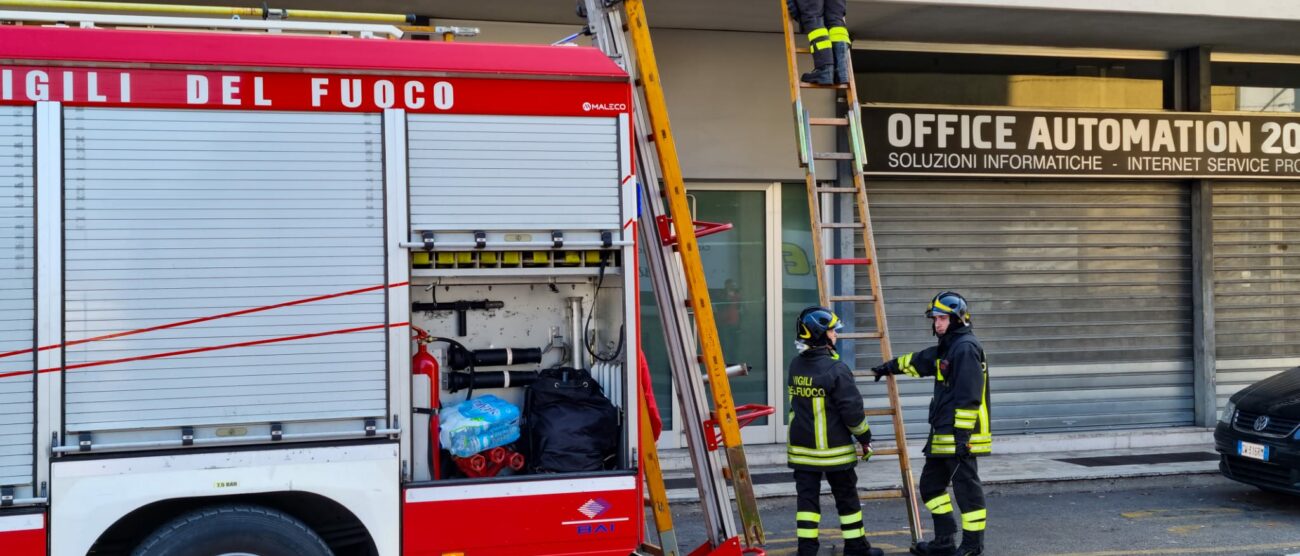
963 444
866 451
887 368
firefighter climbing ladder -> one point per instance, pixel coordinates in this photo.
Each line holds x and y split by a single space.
829 223
680 290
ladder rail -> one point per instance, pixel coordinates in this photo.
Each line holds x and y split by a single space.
678 281
882 326
655 482
821 233
801 116
363 30
606 26
724 410
207 10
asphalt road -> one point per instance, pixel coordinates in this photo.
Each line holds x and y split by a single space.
1194 514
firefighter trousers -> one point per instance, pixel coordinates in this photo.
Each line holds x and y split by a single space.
844 488
819 14
963 474
823 22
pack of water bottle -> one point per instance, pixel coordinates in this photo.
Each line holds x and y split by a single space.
478 424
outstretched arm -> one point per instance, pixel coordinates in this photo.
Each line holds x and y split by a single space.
918 364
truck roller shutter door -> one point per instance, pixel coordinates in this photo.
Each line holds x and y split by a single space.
543 173
1080 293
237 258
17 298
1256 282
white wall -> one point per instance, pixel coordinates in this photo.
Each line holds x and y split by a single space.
728 98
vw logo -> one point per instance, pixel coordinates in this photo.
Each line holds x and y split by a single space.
1261 423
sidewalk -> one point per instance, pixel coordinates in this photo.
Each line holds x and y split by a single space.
1016 459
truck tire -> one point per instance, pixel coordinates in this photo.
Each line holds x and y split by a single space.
234 529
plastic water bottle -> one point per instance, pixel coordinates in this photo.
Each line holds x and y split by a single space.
465 445
479 424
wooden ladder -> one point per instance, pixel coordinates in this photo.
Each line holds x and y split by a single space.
829 225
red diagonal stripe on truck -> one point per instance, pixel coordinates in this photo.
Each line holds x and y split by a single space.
238 313
206 349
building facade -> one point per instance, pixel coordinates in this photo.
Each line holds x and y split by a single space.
1107 300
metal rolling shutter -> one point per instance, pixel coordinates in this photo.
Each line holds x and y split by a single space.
1256 282
1080 293
174 215
542 172
17 296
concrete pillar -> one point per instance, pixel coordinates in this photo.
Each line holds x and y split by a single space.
1188 89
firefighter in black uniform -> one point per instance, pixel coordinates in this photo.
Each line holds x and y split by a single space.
825 419
828 38
959 425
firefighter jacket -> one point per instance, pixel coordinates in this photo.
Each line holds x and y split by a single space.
825 413
959 410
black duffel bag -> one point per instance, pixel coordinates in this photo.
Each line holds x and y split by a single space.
571 425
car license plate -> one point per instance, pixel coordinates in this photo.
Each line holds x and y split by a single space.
1252 450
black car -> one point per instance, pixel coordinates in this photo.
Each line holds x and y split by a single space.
1258 436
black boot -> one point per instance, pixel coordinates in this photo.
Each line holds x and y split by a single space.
972 543
861 547
824 72
808 547
841 52
942 545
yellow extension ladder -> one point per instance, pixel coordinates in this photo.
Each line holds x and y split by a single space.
677 276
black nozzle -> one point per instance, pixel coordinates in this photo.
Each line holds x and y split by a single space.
460 358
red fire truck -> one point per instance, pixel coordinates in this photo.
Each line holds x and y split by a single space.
217 248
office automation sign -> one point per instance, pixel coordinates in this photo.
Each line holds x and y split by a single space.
1021 143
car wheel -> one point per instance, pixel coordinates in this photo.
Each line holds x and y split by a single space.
235 530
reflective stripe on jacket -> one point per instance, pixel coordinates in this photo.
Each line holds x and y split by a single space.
959 410
826 418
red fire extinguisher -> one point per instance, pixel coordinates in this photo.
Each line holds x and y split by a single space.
424 364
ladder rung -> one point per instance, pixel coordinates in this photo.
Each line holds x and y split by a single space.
802 51
828 121
833 156
881 494
884 411
841 225
652 549
847 262
885 452
803 85
858 336
871 375
852 298
837 190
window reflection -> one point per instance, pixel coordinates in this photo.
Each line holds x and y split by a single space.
1008 80
1253 99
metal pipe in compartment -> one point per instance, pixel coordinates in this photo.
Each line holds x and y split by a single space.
579 343
456 382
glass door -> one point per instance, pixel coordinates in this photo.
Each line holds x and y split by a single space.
740 268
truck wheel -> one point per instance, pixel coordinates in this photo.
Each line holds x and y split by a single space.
235 530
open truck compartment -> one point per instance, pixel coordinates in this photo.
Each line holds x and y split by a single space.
519 282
